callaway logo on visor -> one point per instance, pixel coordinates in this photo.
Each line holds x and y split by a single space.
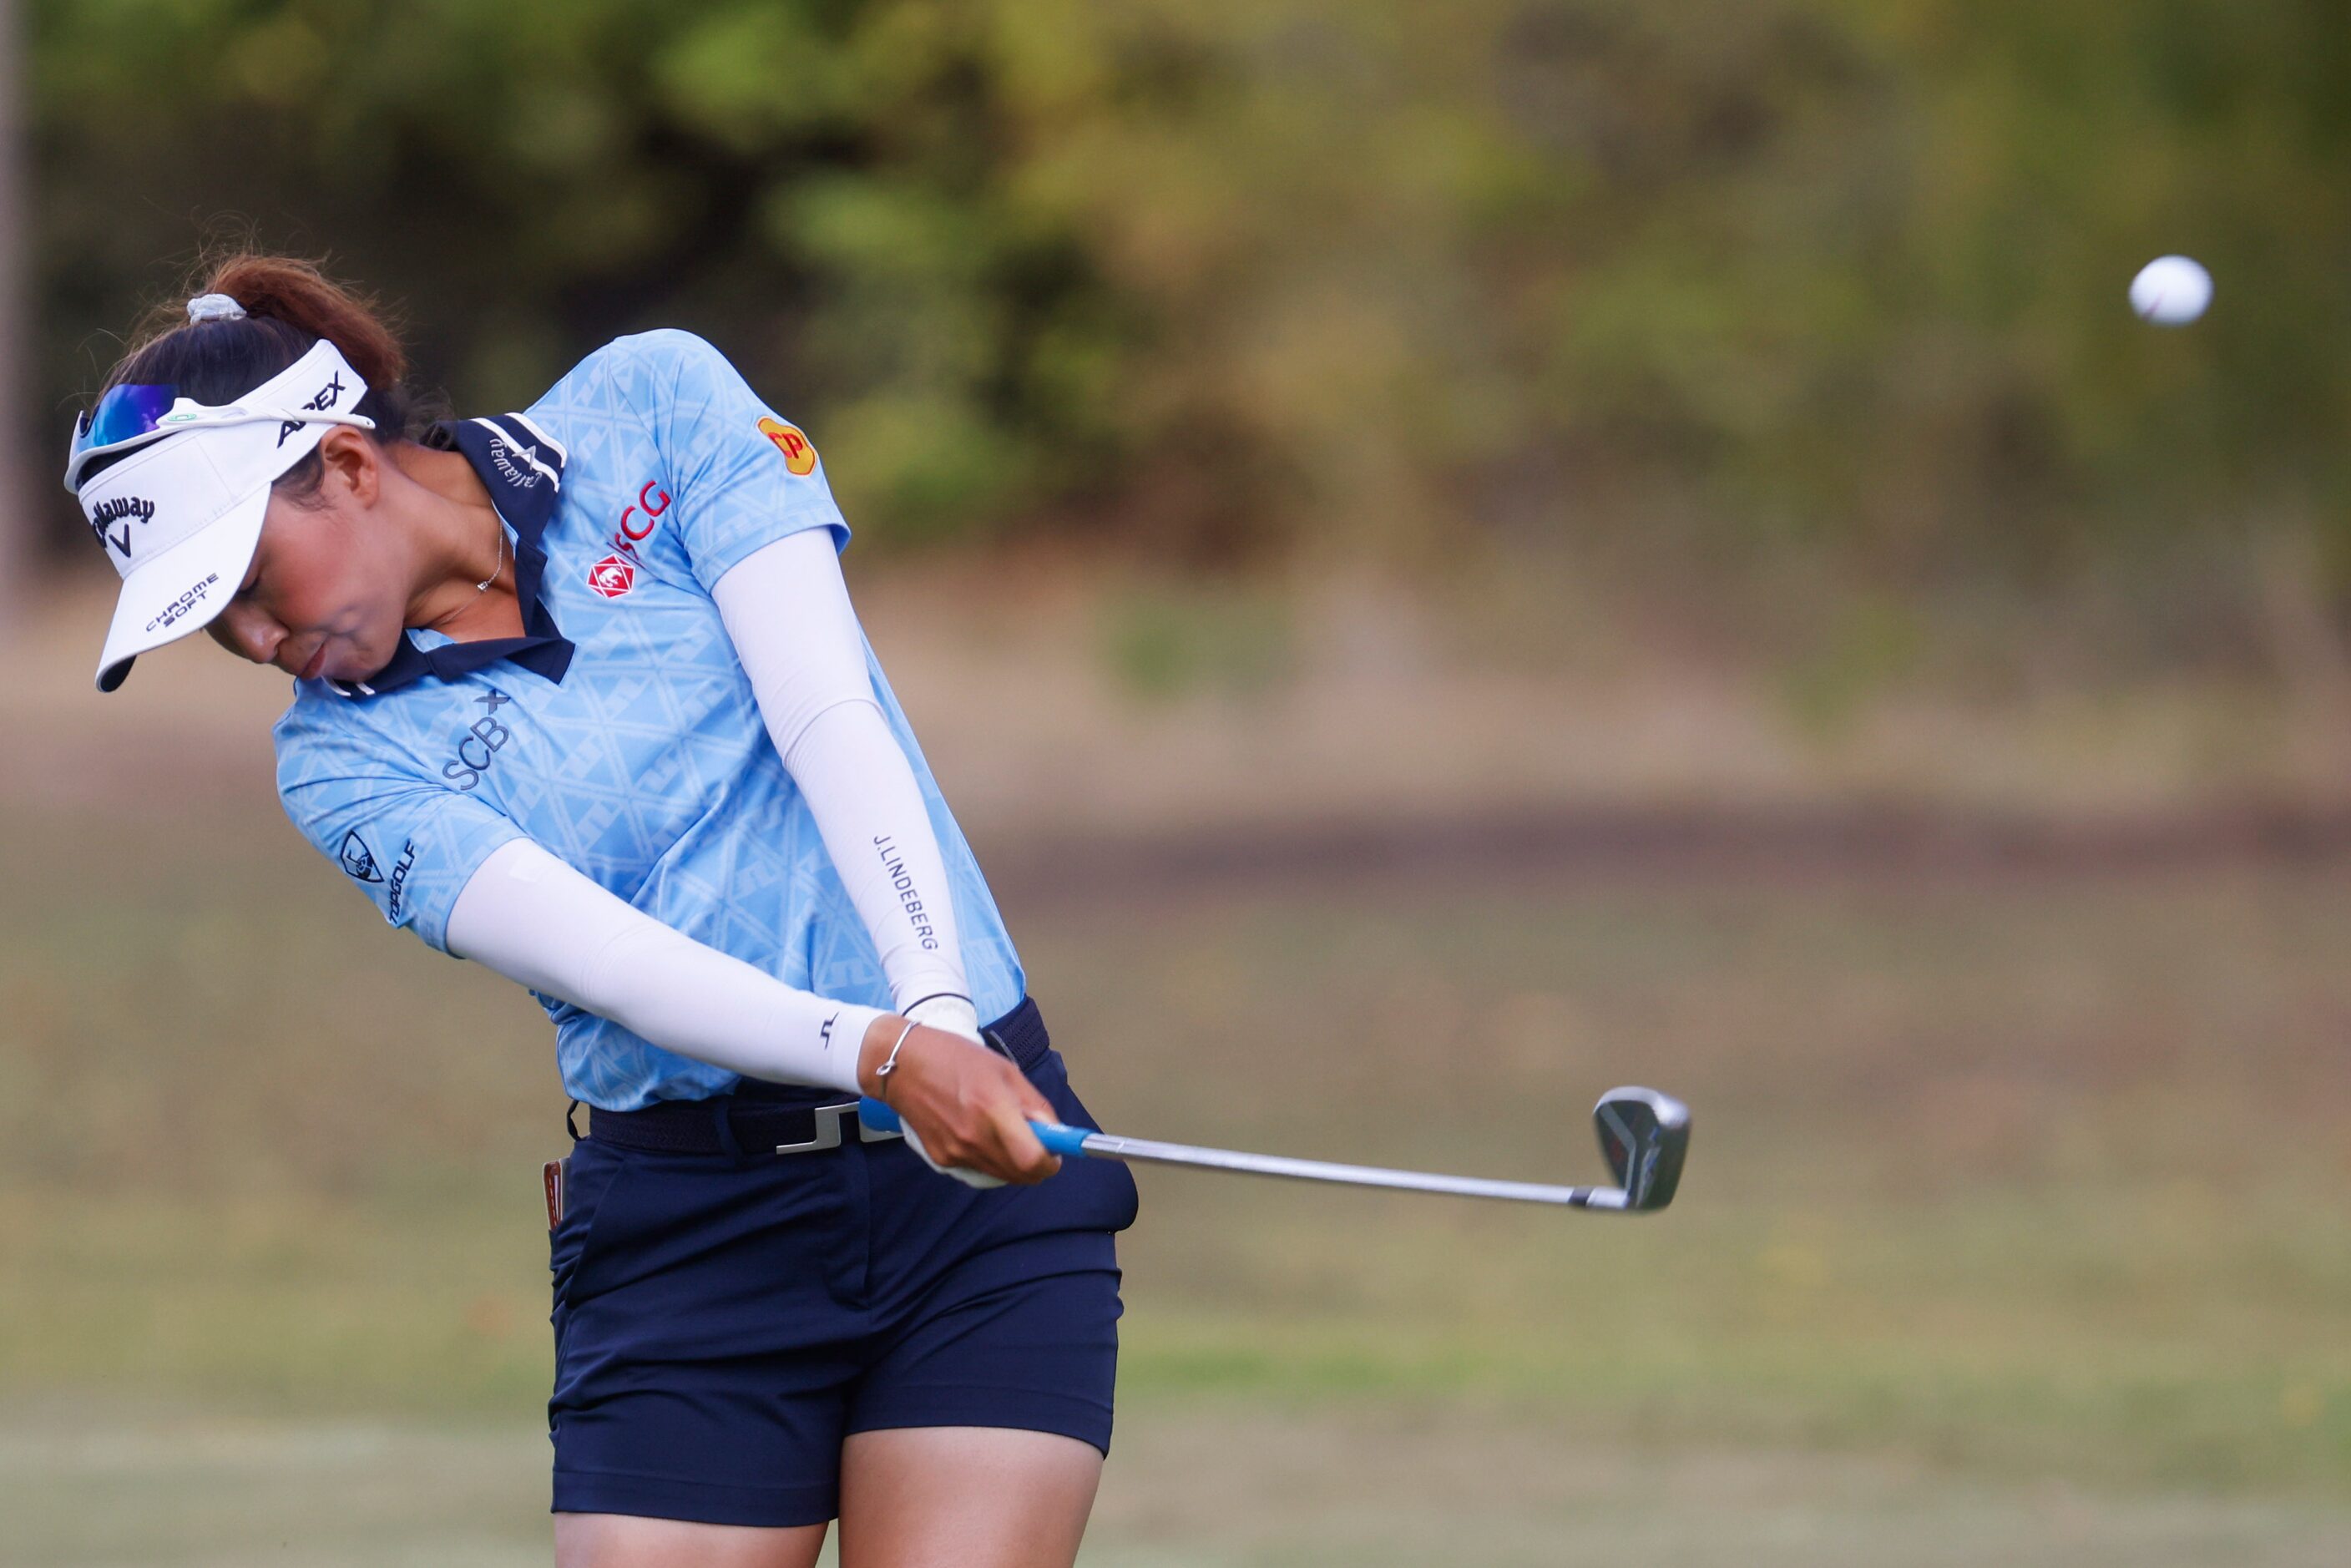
123 509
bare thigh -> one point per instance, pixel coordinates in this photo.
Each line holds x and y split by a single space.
624 1541
964 1497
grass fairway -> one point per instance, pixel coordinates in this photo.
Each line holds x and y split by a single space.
2017 1226
1235 1483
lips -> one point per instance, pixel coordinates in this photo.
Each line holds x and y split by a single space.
317 662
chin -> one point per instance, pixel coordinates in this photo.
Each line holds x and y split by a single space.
357 660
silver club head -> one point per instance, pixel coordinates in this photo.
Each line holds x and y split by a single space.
1644 1135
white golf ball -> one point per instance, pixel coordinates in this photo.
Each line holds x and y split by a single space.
2171 291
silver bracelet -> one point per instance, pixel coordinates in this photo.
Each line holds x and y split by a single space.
890 1063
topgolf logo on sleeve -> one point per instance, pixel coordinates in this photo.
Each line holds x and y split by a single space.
358 861
799 457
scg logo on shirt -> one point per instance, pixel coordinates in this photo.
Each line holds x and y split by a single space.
652 502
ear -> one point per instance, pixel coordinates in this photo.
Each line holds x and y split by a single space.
354 465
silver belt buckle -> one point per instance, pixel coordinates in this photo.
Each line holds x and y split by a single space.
828 1130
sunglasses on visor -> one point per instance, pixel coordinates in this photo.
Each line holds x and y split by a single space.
128 417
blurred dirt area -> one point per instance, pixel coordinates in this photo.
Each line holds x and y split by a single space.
1195 1482
1348 720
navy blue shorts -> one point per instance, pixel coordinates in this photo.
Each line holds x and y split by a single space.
721 1325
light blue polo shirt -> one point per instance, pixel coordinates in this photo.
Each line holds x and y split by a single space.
620 733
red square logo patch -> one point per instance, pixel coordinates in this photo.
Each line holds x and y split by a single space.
612 577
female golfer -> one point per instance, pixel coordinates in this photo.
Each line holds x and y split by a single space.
579 695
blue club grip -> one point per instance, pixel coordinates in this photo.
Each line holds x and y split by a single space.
1068 1142
1058 1138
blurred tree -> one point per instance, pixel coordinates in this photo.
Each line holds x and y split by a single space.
20 524
1226 278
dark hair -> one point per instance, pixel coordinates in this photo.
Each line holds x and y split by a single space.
288 305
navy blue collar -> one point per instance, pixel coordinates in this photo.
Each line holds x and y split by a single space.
522 467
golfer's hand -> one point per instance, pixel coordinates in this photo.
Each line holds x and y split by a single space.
966 1110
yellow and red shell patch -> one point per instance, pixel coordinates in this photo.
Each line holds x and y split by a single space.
799 455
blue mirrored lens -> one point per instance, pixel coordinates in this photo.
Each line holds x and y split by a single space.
124 411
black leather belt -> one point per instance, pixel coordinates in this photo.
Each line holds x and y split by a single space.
780 1119
702 1127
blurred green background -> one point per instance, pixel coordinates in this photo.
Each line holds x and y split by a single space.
1448 558
1224 280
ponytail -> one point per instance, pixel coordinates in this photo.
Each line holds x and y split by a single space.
289 306
280 289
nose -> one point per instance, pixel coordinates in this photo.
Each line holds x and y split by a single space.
250 634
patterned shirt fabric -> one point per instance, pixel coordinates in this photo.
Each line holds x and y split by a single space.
620 733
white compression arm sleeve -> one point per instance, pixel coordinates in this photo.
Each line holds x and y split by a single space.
535 920
788 611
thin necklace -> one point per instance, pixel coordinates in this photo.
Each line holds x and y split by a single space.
484 586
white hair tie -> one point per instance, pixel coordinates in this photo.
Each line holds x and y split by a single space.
215 307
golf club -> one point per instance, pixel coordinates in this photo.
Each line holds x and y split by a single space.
1643 1133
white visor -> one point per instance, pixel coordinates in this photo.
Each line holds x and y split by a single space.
181 516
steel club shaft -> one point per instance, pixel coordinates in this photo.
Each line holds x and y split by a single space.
1108 1145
